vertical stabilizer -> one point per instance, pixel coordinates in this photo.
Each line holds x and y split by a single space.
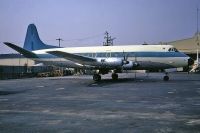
32 40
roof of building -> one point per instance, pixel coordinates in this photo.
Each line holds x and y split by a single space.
188 45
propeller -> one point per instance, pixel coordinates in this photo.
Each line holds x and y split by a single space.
136 62
125 59
135 58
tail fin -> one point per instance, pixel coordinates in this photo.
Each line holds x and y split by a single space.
32 40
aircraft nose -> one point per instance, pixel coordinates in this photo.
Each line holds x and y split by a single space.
190 62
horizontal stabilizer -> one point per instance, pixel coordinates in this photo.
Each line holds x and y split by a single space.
25 53
73 57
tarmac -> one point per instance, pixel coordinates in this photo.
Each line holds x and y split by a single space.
134 104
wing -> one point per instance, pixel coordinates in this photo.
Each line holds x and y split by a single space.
74 57
24 52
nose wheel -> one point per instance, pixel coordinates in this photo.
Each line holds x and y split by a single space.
166 77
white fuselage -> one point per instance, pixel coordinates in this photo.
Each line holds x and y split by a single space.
149 56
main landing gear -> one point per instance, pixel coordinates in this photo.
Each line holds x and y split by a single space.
96 77
166 77
114 76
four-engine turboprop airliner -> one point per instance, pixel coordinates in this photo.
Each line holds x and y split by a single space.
103 59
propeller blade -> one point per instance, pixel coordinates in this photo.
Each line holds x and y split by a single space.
125 56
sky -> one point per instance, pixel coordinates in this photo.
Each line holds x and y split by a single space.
84 22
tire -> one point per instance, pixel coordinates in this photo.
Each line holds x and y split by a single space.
166 78
115 76
96 77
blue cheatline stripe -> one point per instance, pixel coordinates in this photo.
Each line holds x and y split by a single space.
121 54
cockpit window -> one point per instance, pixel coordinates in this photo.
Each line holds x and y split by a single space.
176 50
172 50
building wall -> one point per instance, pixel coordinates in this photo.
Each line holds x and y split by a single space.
16 62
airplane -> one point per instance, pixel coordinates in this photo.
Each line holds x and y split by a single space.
103 59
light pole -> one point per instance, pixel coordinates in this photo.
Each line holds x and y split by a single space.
59 39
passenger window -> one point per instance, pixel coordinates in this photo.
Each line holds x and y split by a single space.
170 49
114 54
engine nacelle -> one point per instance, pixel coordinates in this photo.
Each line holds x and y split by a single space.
110 62
130 65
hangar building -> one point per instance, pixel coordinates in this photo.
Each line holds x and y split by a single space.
188 45
15 60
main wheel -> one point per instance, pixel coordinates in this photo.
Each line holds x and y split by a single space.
115 76
96 77
166 78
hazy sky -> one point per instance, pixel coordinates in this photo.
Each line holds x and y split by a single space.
83 22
